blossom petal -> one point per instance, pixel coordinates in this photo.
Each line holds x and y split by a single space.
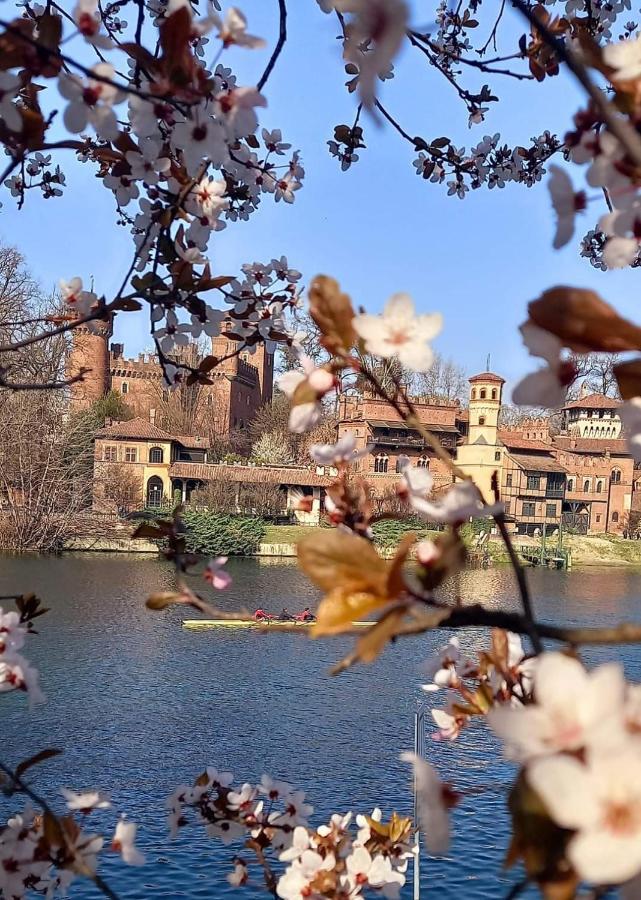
603 858
565 787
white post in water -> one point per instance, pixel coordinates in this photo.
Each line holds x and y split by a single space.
419 749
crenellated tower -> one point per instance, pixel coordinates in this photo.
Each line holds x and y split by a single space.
89 350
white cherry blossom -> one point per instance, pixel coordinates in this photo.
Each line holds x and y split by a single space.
379 25
601 801
400 332
147 165
365 870
10 84
313 383
566 202
12 633
449 725
549 385
90 102
432 811
233 30
216 575
295 883
124 842
441 668
86 801
87 17
343 451
574 709
624 57
459 504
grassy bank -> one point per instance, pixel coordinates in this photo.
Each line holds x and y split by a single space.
593 550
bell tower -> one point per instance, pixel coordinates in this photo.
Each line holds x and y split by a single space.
89 350
485 406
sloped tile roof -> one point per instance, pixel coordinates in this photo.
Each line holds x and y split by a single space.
594 401
138 428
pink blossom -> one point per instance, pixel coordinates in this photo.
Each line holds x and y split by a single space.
216 575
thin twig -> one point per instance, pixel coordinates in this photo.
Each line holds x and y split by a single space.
521 579
280 43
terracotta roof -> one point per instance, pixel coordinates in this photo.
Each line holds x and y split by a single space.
249 474
509 439
594 401
591 445
537 463
134 428
487 376
191 442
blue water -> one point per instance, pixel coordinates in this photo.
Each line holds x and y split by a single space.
139 705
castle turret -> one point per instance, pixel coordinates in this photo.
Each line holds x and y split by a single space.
89 350
482 455
485 407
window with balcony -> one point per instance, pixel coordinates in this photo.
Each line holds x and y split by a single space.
156 455
110 454
131 454
381 463
533 482
528 509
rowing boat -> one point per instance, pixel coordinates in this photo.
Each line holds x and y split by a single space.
249 623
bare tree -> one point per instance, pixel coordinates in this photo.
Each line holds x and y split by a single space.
445 380
595 373
118 485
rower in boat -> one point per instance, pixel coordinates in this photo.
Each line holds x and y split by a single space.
286 616
261 616
306 616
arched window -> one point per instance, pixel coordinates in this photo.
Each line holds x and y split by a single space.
423 462
481 420
586 486
497 456
483 394
493 393
156 455
615 476
125 388
381 462
599 487
615 517
473 393
570 484
154 491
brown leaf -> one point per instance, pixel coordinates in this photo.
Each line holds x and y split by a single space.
500 648
332 311
209 284
12 48
333 559
628 376
583 321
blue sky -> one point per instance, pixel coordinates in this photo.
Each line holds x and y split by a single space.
378 228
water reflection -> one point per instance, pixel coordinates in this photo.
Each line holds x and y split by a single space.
151 704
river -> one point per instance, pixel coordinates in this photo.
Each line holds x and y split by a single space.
139 705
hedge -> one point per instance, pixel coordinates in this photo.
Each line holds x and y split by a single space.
216 534
388 532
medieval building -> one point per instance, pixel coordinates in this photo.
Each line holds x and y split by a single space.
241 383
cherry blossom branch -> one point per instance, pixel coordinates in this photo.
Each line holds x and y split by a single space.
482 66
621 128
48 53
280 43
478 616
80 864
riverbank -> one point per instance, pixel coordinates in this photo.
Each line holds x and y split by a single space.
280 541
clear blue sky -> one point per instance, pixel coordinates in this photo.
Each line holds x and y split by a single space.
378 228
